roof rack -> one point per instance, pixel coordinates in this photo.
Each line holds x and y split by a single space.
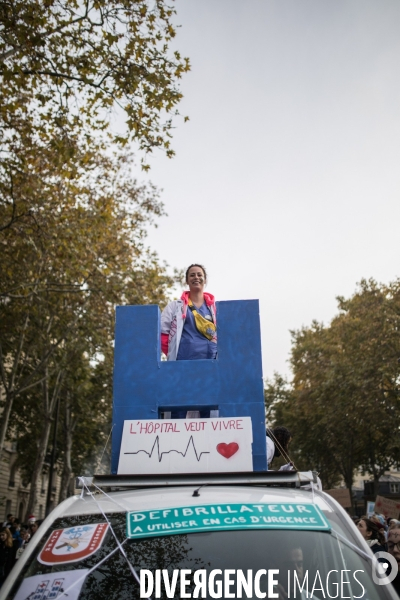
264 478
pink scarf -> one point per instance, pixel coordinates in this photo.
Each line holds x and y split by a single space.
209 299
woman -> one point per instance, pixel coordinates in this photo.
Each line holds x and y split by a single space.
373 533
25 536
188 325
16 533
393 524
394 550
8 550
33 527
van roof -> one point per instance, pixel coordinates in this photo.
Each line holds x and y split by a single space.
129 493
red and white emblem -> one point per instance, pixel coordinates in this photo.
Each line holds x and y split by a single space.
72 544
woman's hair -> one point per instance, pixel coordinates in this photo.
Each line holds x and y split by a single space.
376 531
9 539
195 265
282 436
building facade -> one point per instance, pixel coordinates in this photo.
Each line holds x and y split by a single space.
14 490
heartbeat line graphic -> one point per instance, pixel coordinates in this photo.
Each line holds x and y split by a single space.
161 454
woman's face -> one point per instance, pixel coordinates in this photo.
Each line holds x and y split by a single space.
3 536
33 527
195 278
362 526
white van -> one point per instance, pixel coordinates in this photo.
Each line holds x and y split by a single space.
254 535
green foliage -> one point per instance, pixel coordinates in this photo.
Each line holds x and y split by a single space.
76 249
343 403
73 222
66 66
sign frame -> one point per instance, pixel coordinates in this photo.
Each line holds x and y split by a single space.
190 518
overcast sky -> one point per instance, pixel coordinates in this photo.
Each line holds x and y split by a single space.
286 180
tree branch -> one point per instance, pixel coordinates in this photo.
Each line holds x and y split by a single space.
18 354
47 34
2 371
28 387
46 358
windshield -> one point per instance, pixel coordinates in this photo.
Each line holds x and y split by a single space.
314 560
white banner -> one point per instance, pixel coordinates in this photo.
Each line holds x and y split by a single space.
186 446
62 585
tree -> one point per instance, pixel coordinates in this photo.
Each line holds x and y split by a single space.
297 411
343 405
66 65
369 330
64 266
72 220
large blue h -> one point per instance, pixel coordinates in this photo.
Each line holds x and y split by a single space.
145 386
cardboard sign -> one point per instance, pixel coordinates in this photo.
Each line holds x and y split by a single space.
72 544
341 495
144 386
62 585
223 517
389 508
186 446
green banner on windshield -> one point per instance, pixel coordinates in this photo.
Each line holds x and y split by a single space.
224 517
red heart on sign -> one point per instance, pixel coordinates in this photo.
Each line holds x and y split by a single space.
228 450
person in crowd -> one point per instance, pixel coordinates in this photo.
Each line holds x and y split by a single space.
8 550
33 527
394 550
188 325
9 520
25 537
381 521
15 532
293 569
393 524
373 533
278 440
295 562
378 518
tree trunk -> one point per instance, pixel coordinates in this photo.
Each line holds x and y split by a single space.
38 465
48 411
67 468
376 484
376 473
5 417
347 471
9 387
12 389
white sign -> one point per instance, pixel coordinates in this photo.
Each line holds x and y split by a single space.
370 509
62 585
186 446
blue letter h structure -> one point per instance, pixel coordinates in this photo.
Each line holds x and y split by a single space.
145 386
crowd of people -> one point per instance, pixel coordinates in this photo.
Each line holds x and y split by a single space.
382 535
14 537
